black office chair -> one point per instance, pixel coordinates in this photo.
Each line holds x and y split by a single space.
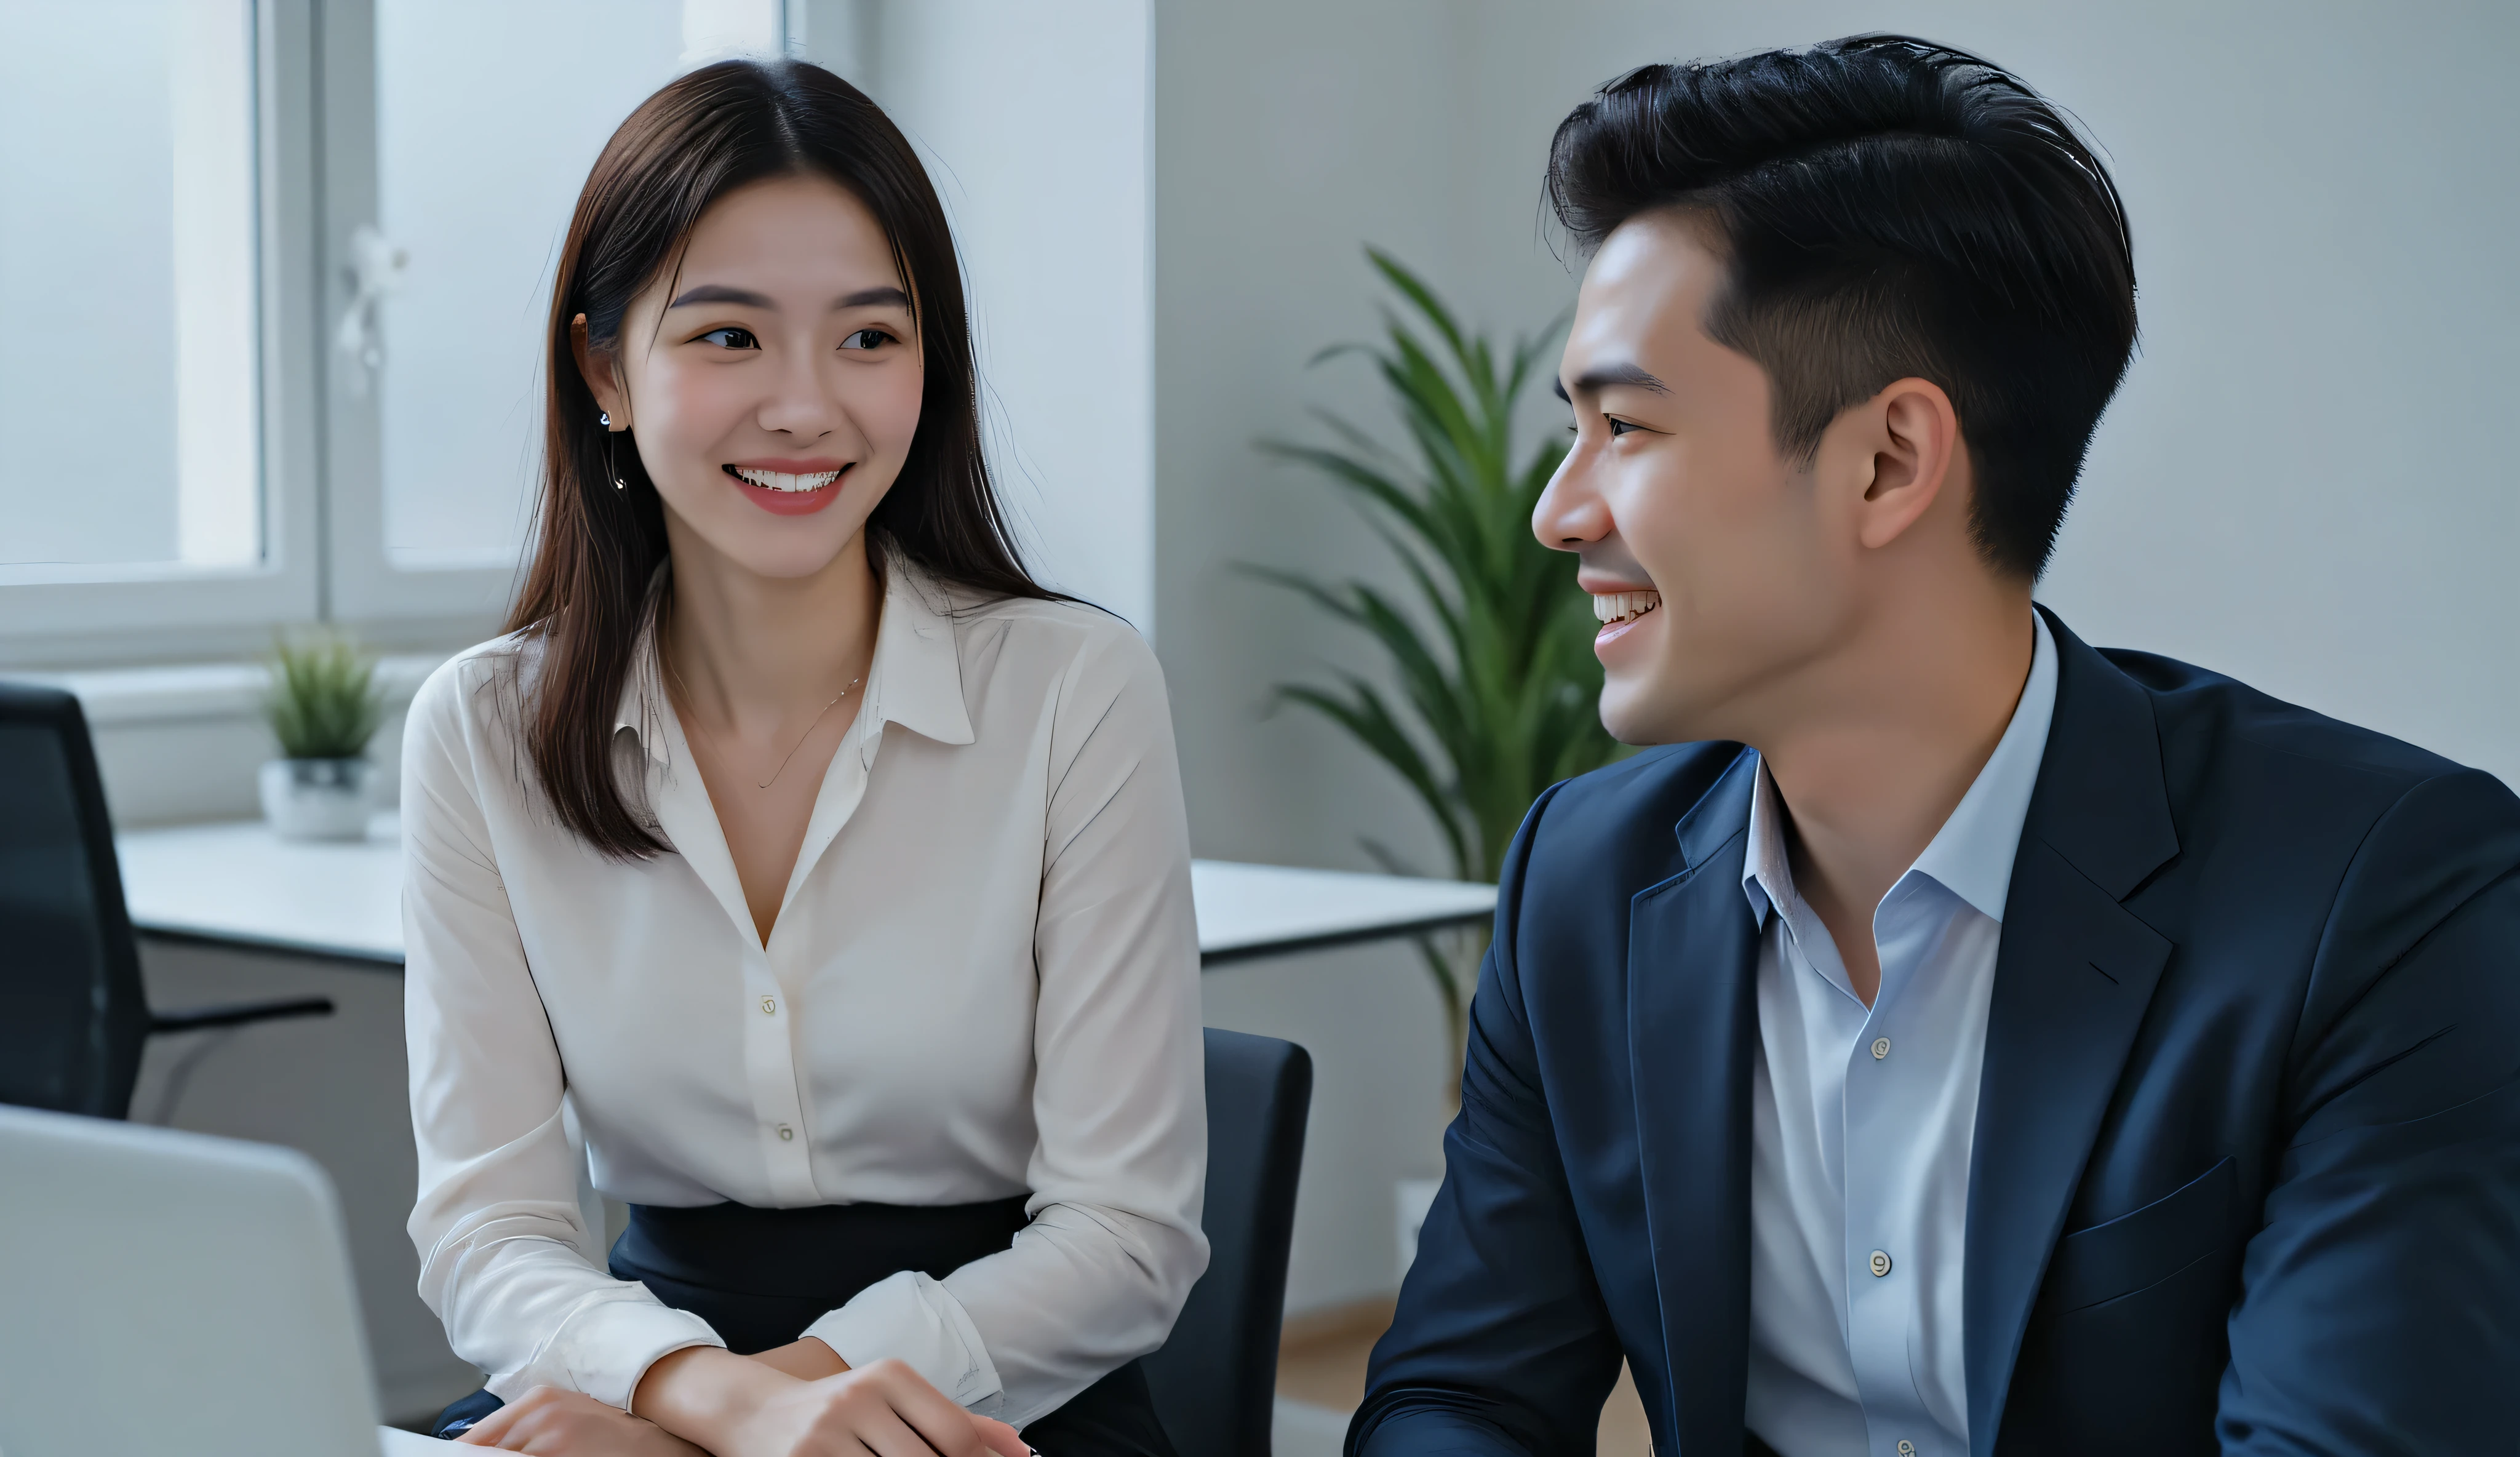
1215 1382
73 1016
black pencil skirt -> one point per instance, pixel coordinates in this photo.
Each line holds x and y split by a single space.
759 1277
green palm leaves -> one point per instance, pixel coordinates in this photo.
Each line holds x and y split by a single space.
1494 686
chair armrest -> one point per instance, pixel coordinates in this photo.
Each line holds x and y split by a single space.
238 1014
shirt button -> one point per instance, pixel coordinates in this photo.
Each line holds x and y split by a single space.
787 1133
770 1007
1880 1048
1880 1263
1907 1449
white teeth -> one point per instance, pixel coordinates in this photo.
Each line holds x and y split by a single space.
783 480
1624 607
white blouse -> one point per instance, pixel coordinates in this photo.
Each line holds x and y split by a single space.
982 982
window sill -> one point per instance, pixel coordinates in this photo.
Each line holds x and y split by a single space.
188 693
181 744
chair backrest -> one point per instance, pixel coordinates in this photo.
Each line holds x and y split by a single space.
1215 1381
73 1017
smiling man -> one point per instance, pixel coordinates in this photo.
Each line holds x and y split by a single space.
1956 1039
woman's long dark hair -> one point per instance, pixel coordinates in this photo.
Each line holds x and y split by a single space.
585 596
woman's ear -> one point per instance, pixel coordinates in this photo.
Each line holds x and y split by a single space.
603 375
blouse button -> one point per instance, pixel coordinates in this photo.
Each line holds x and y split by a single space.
785 1133
1880 1263
769 1006
1880 1045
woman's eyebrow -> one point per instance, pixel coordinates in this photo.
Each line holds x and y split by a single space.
868 298
721 294
745 297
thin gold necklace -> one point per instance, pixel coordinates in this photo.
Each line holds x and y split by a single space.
801 739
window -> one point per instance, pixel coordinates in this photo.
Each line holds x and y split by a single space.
163 472
132 381
458 133
273 283
479 221
458 164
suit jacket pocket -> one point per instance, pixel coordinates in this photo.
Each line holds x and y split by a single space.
2123 1256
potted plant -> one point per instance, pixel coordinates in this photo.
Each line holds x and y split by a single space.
322 707
1494 689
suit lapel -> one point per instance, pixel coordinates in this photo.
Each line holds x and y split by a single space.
2074 976
1691 1027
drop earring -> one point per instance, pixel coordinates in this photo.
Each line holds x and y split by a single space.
605 418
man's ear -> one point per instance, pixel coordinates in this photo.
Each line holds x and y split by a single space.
1898 453
602 373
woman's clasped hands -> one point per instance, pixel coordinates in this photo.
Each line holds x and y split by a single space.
706 1399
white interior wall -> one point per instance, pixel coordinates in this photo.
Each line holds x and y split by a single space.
1287 136
1033 122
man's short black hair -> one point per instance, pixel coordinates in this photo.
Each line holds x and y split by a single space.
1887 208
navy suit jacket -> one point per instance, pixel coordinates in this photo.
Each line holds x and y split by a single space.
2246 1174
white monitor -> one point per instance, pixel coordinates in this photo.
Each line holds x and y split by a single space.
166 1293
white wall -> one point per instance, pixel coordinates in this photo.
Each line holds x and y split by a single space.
1032 120
1287 136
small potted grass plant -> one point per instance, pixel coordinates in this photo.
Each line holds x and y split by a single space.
322 707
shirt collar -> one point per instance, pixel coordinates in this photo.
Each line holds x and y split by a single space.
916 679
1767 877
1972 855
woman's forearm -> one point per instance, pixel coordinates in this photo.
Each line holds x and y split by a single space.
701 1394
808 1359
737 1406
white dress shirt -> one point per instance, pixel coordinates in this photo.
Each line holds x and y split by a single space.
982 982
1861 1121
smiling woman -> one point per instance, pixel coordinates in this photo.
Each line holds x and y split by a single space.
683 209
847 865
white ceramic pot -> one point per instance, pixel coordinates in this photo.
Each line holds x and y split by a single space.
317 798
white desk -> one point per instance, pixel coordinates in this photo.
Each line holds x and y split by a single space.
406 1444
239 885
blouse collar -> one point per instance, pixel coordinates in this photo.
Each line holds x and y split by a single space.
916 679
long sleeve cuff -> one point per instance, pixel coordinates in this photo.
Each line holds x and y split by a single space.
910 1318
606 1346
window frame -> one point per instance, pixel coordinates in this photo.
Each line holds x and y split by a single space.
366 591
325 555
146 611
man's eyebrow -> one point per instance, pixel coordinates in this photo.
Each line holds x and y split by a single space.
1601 377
